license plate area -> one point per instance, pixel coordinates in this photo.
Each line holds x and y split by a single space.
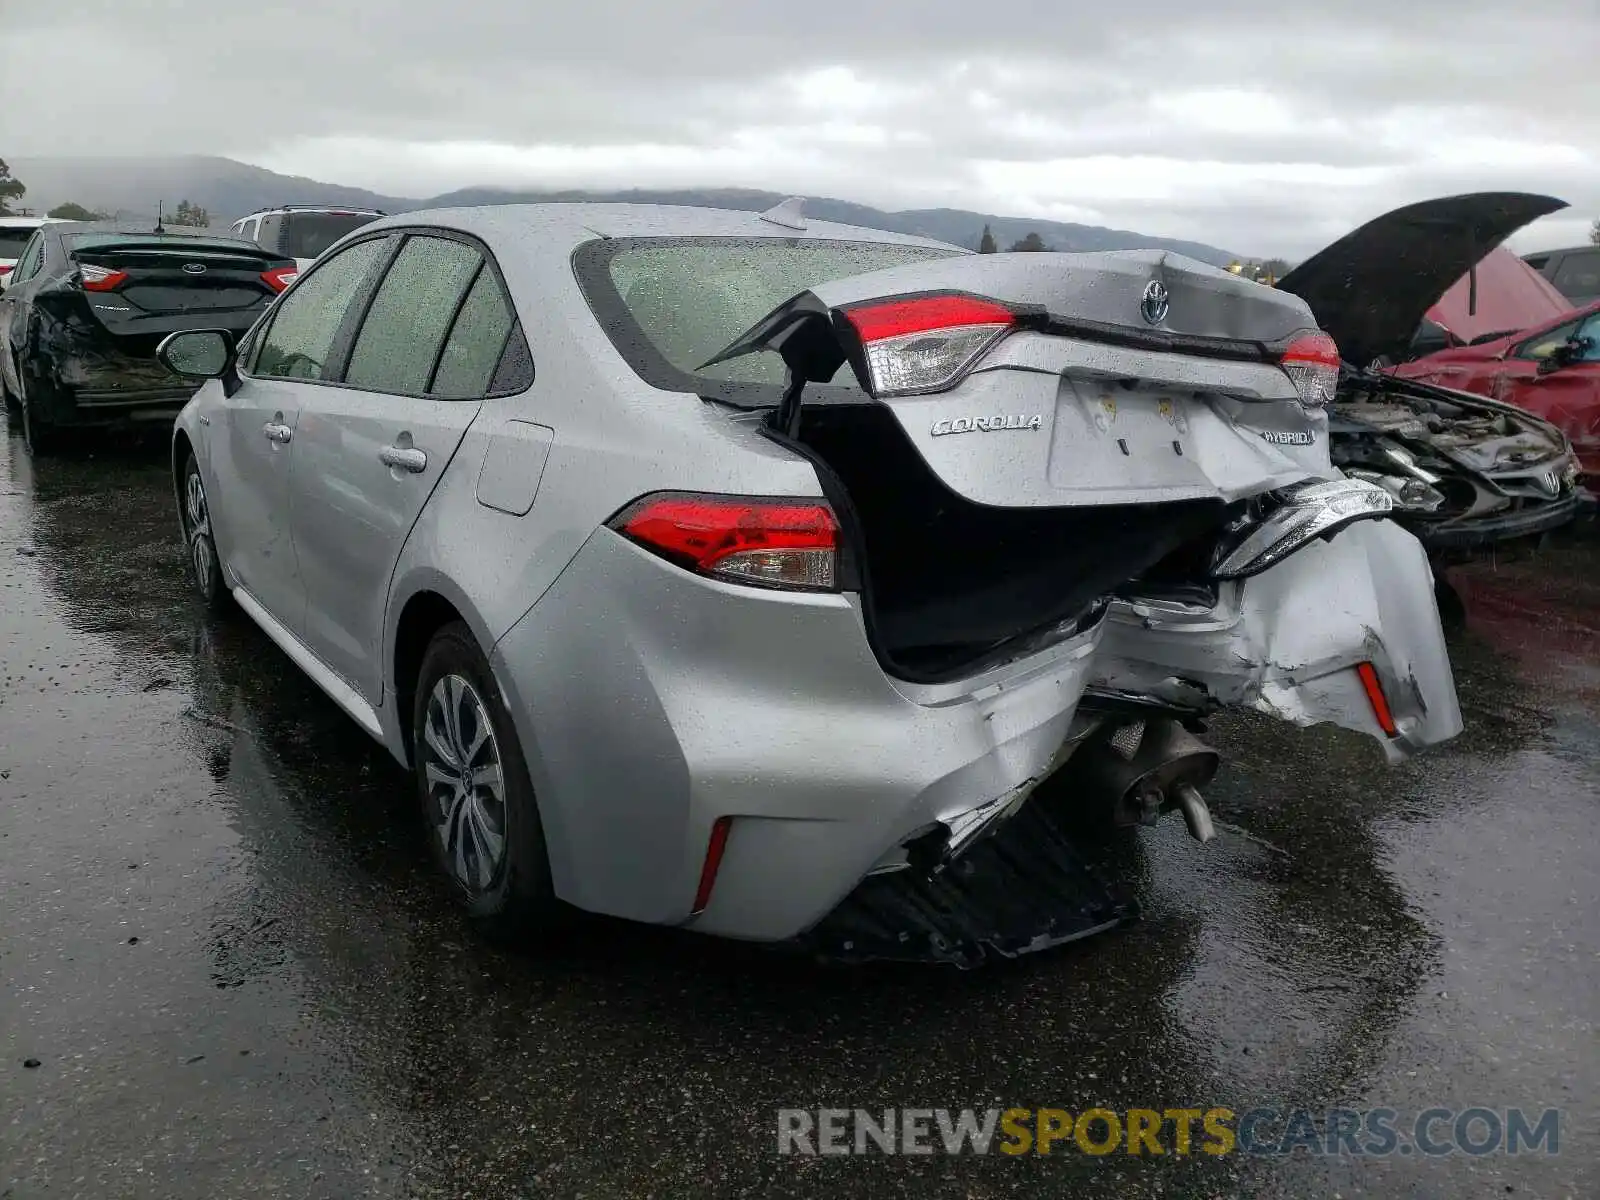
1110 436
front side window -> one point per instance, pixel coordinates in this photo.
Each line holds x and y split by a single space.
1543 346
299 343
1587 340
411 314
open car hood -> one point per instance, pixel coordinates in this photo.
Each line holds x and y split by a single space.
1511 296
1372 287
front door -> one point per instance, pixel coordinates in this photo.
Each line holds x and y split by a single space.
369 454
249 459
1567 396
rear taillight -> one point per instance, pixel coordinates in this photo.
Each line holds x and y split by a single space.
792 544
1311 361
5 268
280 277
102 279
927 343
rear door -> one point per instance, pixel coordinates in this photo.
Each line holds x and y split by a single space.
291 359
369 454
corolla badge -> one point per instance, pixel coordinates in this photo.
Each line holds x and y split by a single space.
1156 303
194 268
985 424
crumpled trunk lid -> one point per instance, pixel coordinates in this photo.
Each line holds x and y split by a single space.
1127 378
1112 408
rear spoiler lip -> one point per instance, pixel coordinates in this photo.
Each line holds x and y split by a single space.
200 249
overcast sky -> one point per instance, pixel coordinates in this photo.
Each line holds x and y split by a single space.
1265 127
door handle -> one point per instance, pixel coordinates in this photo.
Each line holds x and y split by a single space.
276 431
406 458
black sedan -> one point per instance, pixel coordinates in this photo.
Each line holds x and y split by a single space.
88 303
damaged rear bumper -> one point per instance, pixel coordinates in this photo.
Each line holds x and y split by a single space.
1027 887
1291 643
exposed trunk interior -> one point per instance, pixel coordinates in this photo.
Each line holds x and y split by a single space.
949 585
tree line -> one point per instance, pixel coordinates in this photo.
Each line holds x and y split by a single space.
13 190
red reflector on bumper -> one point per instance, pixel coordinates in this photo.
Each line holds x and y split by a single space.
708 872
1376 698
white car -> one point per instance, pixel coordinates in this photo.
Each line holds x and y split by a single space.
14 235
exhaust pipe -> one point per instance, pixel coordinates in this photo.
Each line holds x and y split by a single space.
1195 813
1150 767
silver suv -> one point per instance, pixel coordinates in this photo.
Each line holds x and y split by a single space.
747 574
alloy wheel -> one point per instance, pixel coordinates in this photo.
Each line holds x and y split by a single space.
461 766
198 514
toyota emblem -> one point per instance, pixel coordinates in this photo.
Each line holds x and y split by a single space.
194 268
1153 308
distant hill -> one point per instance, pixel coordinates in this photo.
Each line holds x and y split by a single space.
227 190
133 187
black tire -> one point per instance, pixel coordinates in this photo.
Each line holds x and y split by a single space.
41 438
508 898
202 565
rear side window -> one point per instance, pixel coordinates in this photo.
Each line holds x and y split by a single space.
299 344
1579 274
687 298
12 240
411 314
476 342
306 235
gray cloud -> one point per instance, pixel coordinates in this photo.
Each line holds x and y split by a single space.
1261 126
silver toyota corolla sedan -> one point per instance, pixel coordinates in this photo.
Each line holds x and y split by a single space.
755 575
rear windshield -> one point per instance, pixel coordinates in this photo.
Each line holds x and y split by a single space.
307 235
13 240
689 297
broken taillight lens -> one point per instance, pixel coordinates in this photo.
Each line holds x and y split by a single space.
926 343
280 278
774 543
1311 360
101 279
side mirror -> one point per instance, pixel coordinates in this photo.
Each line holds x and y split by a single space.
197 353
1560 355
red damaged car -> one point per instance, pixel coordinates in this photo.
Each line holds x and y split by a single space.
1474 441
1523 343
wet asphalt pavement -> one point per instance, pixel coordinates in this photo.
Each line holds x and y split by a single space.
222 943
